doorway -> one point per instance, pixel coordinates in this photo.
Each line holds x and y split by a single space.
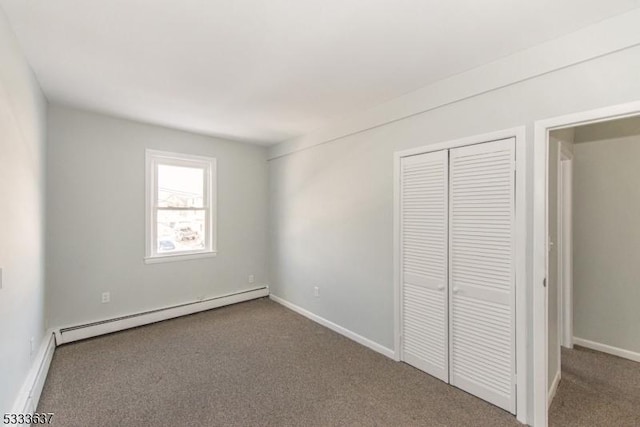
555 292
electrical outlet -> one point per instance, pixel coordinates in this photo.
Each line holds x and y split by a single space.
106 297
252 278
316 291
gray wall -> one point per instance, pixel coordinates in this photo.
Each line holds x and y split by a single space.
96 239
331 206
555 139
606 268
22 150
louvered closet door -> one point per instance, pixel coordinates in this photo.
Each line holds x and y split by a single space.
482 274
424 241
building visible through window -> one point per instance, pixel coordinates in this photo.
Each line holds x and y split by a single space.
180 204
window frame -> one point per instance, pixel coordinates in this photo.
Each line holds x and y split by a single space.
155 158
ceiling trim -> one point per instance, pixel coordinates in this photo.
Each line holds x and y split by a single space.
606 37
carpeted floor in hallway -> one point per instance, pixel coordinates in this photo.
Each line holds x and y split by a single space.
254 363
596 389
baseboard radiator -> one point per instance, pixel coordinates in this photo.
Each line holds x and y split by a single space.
93 329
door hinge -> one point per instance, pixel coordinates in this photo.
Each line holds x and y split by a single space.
544 282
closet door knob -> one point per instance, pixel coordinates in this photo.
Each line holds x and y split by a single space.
456 290
440 287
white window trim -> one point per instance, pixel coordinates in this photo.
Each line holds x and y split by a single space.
210 166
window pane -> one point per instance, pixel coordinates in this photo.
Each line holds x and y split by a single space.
181 231
180 187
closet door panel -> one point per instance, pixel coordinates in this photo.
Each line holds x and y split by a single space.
424 262
482 271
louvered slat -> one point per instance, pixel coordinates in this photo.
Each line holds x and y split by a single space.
424 261
481 282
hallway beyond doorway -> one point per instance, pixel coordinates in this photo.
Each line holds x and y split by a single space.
597 389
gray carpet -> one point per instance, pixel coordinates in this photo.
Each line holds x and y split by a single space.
254 363
596 389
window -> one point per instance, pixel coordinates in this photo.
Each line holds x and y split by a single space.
180 206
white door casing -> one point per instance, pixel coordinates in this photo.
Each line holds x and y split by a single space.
565 247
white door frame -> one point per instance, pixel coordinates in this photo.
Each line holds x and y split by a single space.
521 214
565 247
540 238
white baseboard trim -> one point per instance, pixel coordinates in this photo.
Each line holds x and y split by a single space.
554 388
29 395
94 329
336 328
627 354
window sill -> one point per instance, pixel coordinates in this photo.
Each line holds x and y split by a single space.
178 257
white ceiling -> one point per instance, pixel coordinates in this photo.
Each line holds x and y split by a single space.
267 71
